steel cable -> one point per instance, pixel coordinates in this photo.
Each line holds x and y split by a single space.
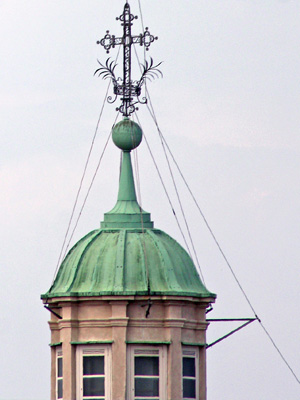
81 182
227 261
90 187
60 258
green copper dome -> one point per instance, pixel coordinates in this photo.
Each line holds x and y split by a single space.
127 255
124 262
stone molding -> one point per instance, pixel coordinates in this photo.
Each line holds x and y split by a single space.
130 322
173 300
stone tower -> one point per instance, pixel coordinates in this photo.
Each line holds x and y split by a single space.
128 308
131 308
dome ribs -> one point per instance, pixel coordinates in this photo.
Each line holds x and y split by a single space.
166 271
120 262
80 270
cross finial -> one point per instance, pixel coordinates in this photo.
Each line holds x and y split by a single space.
129 90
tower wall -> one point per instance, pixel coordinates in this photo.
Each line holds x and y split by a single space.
120 325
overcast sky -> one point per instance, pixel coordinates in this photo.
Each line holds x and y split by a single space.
228 106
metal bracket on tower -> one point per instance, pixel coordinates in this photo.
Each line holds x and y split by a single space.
53 312
248 321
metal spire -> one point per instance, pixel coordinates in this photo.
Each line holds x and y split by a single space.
129 90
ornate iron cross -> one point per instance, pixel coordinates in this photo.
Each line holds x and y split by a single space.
128 89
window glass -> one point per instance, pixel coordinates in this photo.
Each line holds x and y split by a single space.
188 366
146 387
189 388
93 365
59 374
189 373
93 376
146 366
59 389
59 367
93 387
93 373
147 375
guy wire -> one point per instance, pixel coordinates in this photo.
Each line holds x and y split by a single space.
228 263
81 182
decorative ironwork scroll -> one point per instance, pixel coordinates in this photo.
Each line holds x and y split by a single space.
129 90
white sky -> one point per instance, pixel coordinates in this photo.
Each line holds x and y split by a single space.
228 106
